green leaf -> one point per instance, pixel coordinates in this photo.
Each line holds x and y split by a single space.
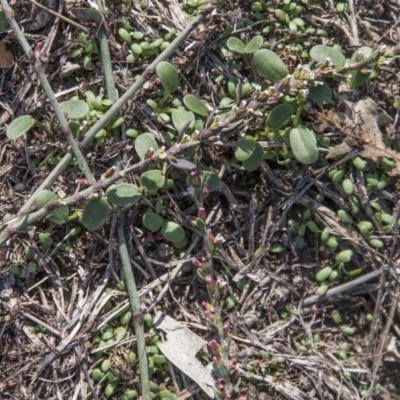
304 145
320 94
143 143
323 274
3 22
344 256
95 213
180 117
211 179
19 126
269 65
152 180
321 52
173 232
59 216
357 77
255 160
46 241
193 103
279 116
235 44
124 35
44 197
75 109
168 75
254 44
152 221
123 194
245 148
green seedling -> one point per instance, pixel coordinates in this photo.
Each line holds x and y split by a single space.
87 49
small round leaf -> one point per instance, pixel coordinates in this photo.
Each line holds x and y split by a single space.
153 180
245 148
152 221
211 179
255 160
19 126
59 215
323 274
95 213
321 52
168 75
193 103
320 94
44 197
181 117
75 109
173 232
279 116
269 65
144 142
254 44
304 145
235 44
344 256
357 77
123 194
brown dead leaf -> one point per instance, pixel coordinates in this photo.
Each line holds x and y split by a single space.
6 57
360 122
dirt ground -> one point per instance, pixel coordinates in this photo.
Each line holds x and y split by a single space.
52 310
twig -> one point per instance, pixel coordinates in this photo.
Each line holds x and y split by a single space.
136 311
56 14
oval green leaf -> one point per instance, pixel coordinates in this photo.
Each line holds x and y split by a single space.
320 94
269 65
75 109
152 180
181 117
59 215
172 232
254 44
44 197
211 179
193 103
143 143
323 274
304 145
245 148
344 256
279 116
123 194
168 75
357 77
152 221
95 213
235 44
19 126
321 52
255 160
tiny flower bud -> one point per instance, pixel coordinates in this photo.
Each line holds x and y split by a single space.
81 181
202 213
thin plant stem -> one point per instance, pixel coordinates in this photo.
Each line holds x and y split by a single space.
137 314
106 63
